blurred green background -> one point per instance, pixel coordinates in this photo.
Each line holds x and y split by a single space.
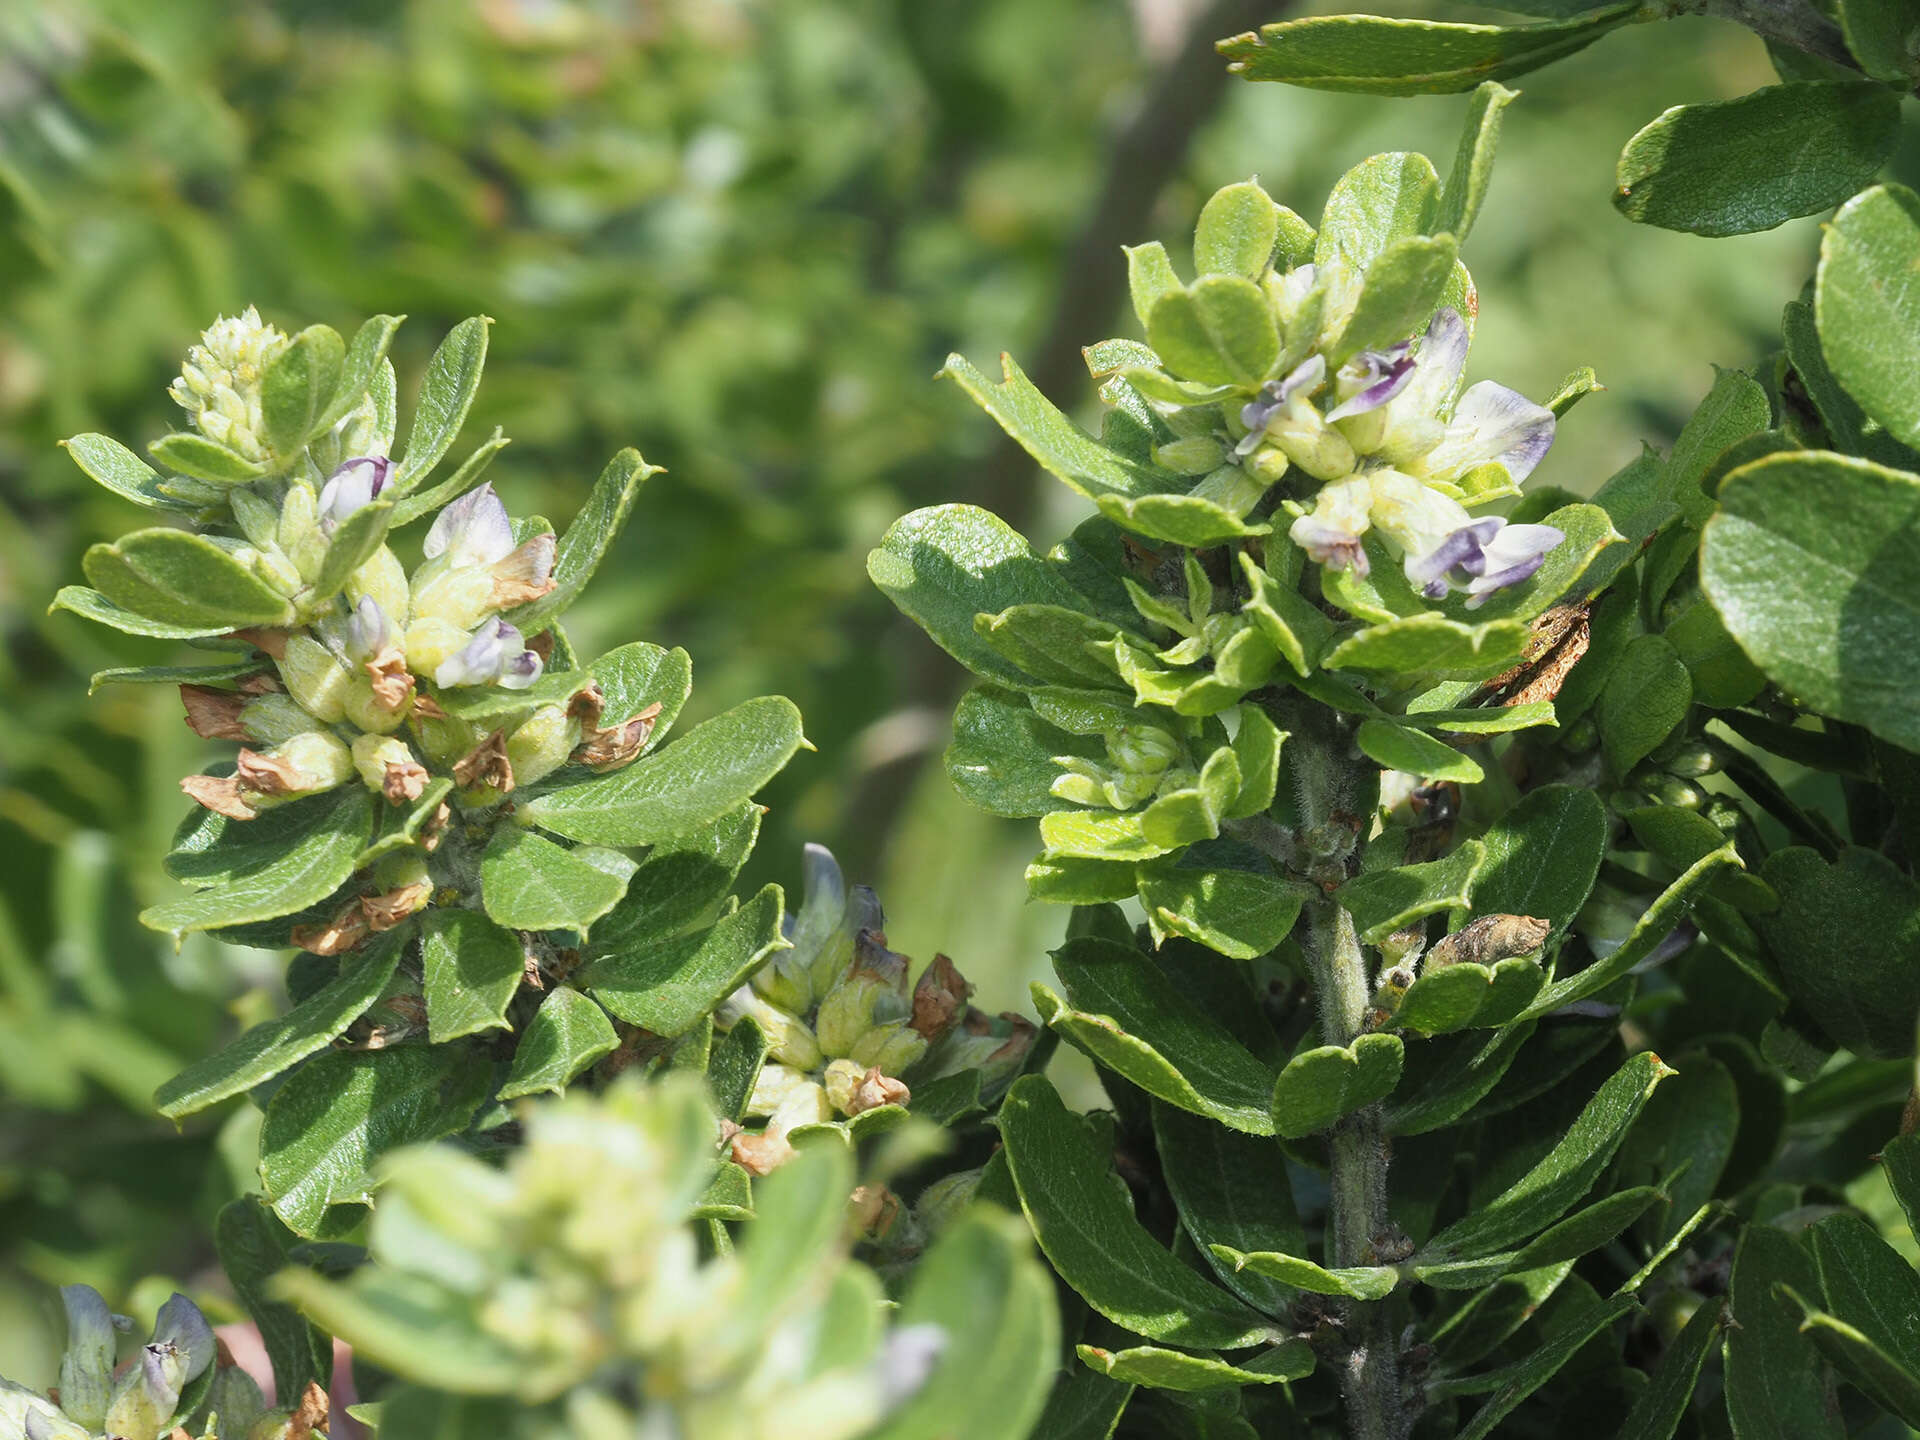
742 235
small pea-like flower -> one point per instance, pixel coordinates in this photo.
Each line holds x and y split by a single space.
1331 533
496 654
352 487
86 1369
1372 378
1482 557
473 530
368 631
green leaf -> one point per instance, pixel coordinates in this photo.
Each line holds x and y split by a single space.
1466 187
173 674
1735 166
183 579
1057 879
1589 533
588 538
670 985
1776 1388
710 771
312 853
982 1287
1403 285
254 1247
1543 855
1359 1282
1228 1195
1382 199
1812 564
566 1035
109 463
1455 997
529 883
681 881
1734 408
296 388
1235 912
1844 941
353 544
1002 753
1900 1158
1398 748
470 969
1552 1187
944 565
1655 924
1869 1286
1373 55
1177 1370
1087 1230
1321 1085
1383 901
1868 305
401 826
1218 331
1236 233
196 456
1577 386
1127 1014
1058 644
1884 36
1150 275
359 370
1657 1414
433 1334
412 507
1297 628
336 1115
1646 697
276 1045
446 393
1190 520
1431 644
1062 448
1447 1078
1517 1381
1580 1233
1875 1373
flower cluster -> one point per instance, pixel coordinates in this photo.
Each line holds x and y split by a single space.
578 1274
219 385
845 1032
182 1382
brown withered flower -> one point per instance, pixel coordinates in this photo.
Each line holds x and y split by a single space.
1490 939
609 749
486 764
222 794
214 714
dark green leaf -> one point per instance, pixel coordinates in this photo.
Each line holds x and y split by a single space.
1543 855
1399 748
1358 1282
1663 1404
1383 901
446 393
1519 1380
254 1247
1230 1192
1646 698
1320 1085
1776 1385
566 1035
1235 912
1867 300
670 985
471 968
681 881
529 883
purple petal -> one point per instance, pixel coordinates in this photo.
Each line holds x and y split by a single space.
473 530
1381 375
1463 551
1329 545
181 1325
1493 425
1515 554
1255 414
1443 351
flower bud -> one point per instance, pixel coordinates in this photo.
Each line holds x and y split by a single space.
542 743
298 531
43 1422
784 981
274 568
144 1397
302 765
388 767
1196 455
473 530
383 580
776 1083
314 678
1145 749
496 654
273 719
219 384
350 489
86 1369
873 991
891 1048
789 1040
943 1201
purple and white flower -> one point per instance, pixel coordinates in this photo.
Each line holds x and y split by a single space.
354 486
496 654
1372 378
1331 533
1482 557
473 530
1492 425
368 631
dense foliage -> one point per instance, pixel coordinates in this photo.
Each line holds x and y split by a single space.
1490 913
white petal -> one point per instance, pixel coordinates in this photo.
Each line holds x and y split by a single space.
1492 424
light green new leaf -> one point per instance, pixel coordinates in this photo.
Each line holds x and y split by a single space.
1190 520
1383 901
110 464
1373 55
1735 166
1235 912
944 565
1776 1388
669 986
333 1118
172 674
276 1045
1655 925
1431 644
588 538
196 456
1456 997
710 771
1403 286
446 393
1236 232
1382 199
297 387
1552 1187
359 371
470 969
1321 1085
1150 274
1219 331
1733 409
1296 627
1543 855
566 1035
308 860
1472 171
1002 755
529 883
352 545
1086 1228
1159 1369
1358 1282
1576 387
983 1288
1813 562
1646 698
1400 748
1062 448
1127 1014
1228 1195
182 579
